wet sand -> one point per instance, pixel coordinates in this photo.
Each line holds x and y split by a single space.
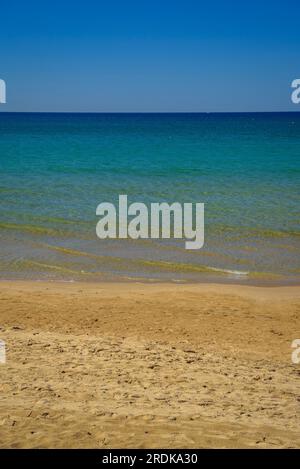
137 365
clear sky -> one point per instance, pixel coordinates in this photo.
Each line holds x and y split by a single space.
167 55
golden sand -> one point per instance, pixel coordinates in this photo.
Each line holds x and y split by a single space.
136 365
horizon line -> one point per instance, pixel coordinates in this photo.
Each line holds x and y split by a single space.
150 112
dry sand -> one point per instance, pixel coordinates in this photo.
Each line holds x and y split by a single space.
135 365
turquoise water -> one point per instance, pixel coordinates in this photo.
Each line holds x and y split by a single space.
56 169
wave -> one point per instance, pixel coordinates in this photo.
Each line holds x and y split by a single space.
44 230
33 229
133 269
26 264
241 232
228 271
236 233
152 264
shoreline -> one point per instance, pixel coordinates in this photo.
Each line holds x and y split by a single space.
152 283
283 282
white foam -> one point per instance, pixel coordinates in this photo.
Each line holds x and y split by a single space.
227 271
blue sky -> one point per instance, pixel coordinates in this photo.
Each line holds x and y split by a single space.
148 56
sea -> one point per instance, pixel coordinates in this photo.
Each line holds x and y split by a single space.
55 168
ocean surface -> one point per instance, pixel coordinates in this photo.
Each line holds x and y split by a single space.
56 168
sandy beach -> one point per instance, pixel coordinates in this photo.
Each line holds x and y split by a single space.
148 365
